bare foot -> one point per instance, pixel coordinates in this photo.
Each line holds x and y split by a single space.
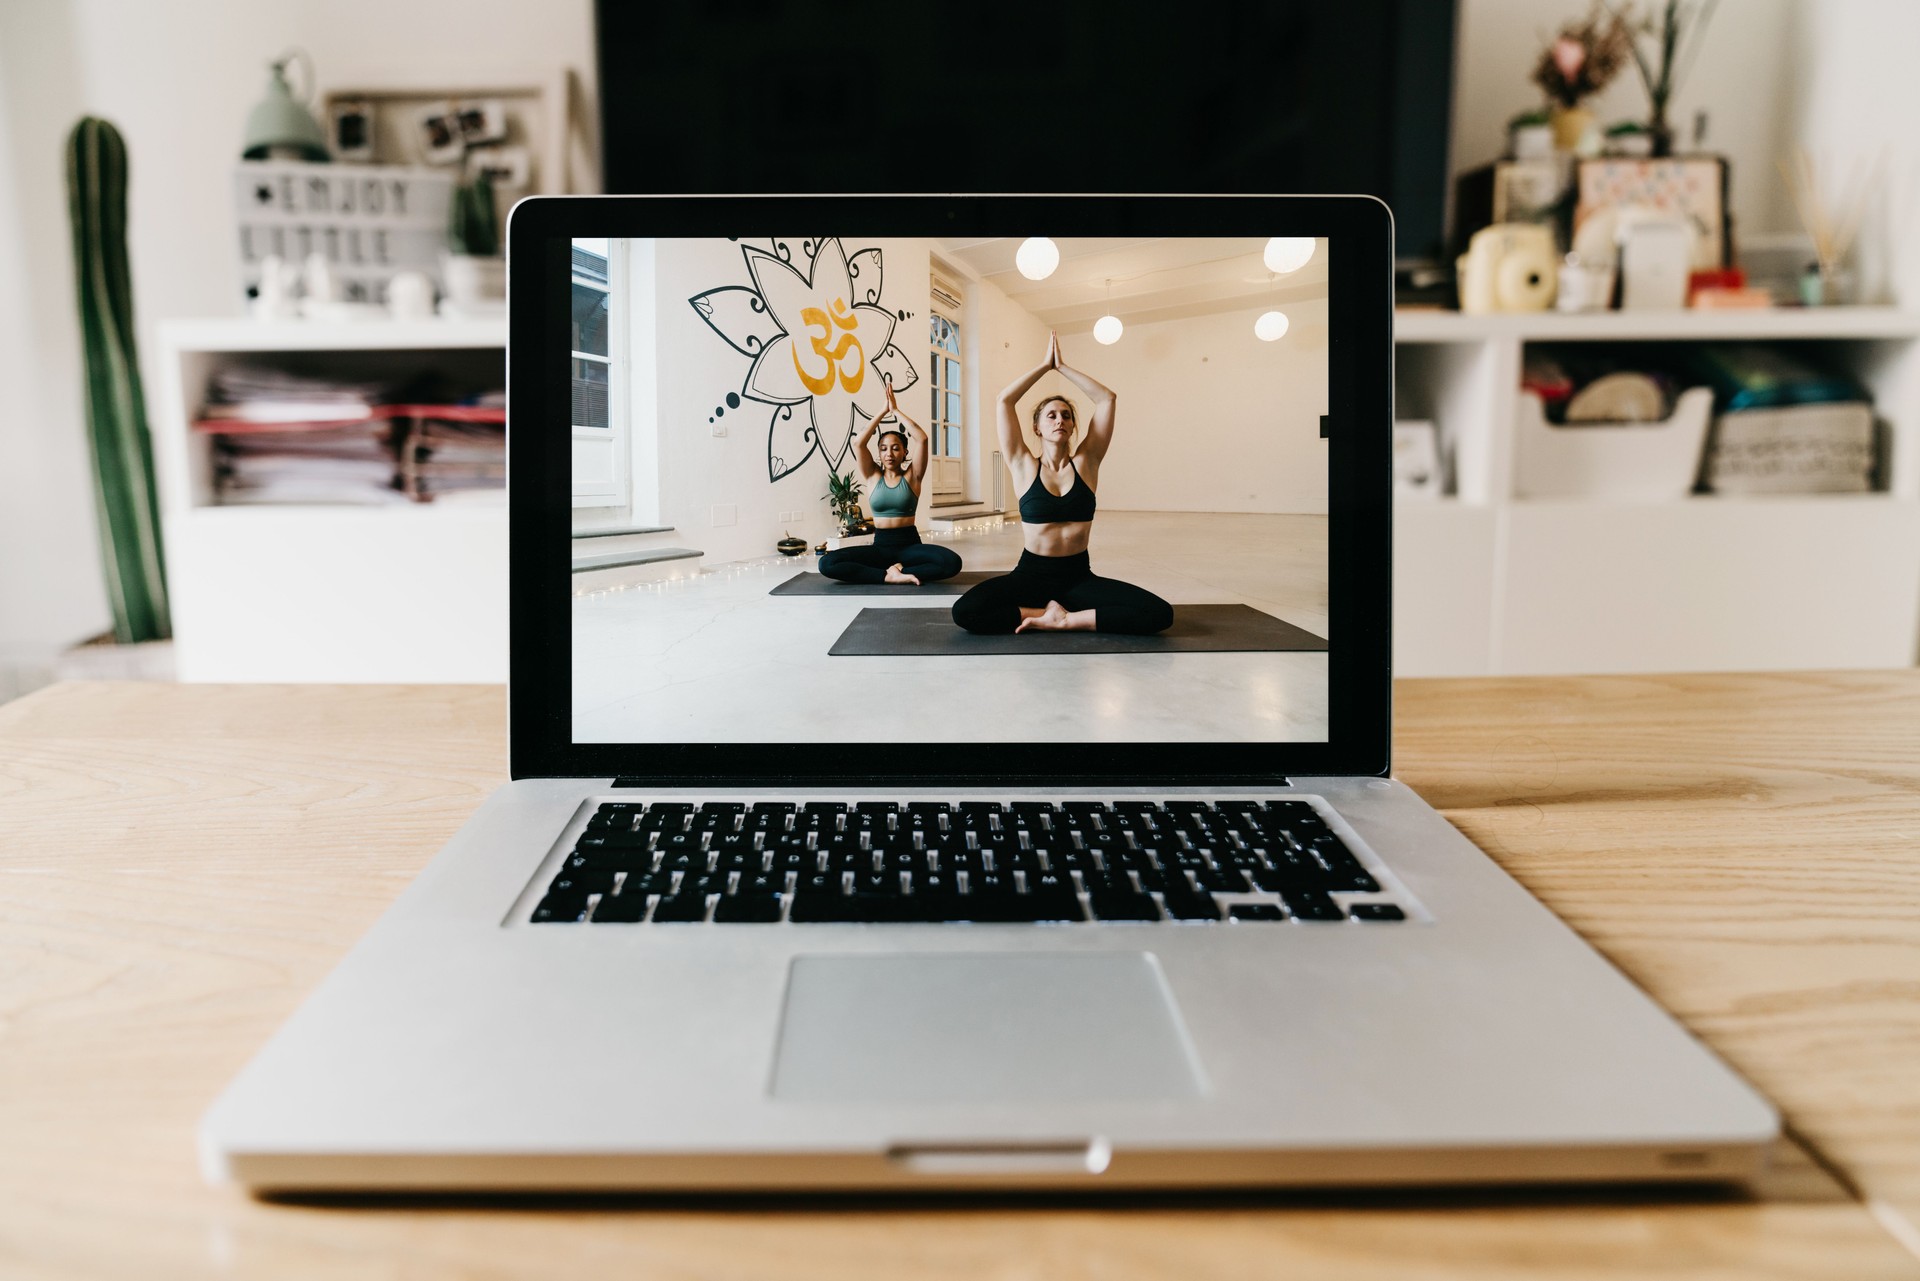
897 575
1053 618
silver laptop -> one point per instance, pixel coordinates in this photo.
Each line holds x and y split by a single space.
1023 819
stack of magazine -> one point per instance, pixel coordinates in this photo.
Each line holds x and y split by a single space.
455 450
280 437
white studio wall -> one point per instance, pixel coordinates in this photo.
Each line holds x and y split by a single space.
1210 418
642 369
1002 342
733 472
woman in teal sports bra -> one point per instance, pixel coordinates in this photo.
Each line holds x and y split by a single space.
1054 588
896 554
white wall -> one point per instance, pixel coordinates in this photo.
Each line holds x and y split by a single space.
1209 417
50 580
1001 343
642 370
1747 58
1855 103
177 78
1833 76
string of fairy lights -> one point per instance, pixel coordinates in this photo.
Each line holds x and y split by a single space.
677 575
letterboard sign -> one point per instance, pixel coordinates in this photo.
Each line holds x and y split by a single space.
370 221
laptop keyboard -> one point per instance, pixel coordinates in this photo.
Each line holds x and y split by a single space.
733 862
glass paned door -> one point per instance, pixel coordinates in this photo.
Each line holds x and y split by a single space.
946 423
599 448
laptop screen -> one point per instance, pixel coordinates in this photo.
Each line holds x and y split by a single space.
884 493
981 489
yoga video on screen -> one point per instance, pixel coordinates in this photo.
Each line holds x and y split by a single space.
884 494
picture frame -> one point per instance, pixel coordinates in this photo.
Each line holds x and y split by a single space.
442 125
483 122
1528 190
1691 187
350 130
440 140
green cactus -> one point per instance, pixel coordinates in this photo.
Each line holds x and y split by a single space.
472 226
116 407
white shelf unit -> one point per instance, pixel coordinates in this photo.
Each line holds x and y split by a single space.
298 592
1486 583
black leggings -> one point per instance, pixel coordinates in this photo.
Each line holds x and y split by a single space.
994 606
890 547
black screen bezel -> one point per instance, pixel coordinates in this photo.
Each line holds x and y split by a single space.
1359 507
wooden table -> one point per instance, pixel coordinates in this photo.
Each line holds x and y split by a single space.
179 865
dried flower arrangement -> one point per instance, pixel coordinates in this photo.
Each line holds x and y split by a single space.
1585 57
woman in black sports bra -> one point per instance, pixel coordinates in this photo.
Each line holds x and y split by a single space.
1053 588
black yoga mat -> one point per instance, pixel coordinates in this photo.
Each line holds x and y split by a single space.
821 585
877 632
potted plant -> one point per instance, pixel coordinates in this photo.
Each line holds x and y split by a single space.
476 274
1629 138
843 500
1581 61
1530 135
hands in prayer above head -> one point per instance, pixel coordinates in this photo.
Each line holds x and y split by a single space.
1053 587
895 466
911 464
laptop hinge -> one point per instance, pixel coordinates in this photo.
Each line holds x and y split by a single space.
635 781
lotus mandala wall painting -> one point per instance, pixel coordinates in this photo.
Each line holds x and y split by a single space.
820 341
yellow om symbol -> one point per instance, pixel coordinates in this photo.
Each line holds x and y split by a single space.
835 360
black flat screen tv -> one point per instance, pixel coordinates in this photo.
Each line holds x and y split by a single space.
1287 96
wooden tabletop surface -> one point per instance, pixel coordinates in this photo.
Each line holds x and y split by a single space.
179 865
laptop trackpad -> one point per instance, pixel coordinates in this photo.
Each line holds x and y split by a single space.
959 1027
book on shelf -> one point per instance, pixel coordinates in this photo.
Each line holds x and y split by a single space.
278 417
452 452
258 416
338 465
338 446
243 395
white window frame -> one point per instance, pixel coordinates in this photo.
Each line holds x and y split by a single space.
955 316
616 492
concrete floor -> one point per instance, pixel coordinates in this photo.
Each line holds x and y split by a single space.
713 658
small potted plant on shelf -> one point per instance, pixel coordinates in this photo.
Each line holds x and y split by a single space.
1629 139
476 274
1581 61
843 500
1530 135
